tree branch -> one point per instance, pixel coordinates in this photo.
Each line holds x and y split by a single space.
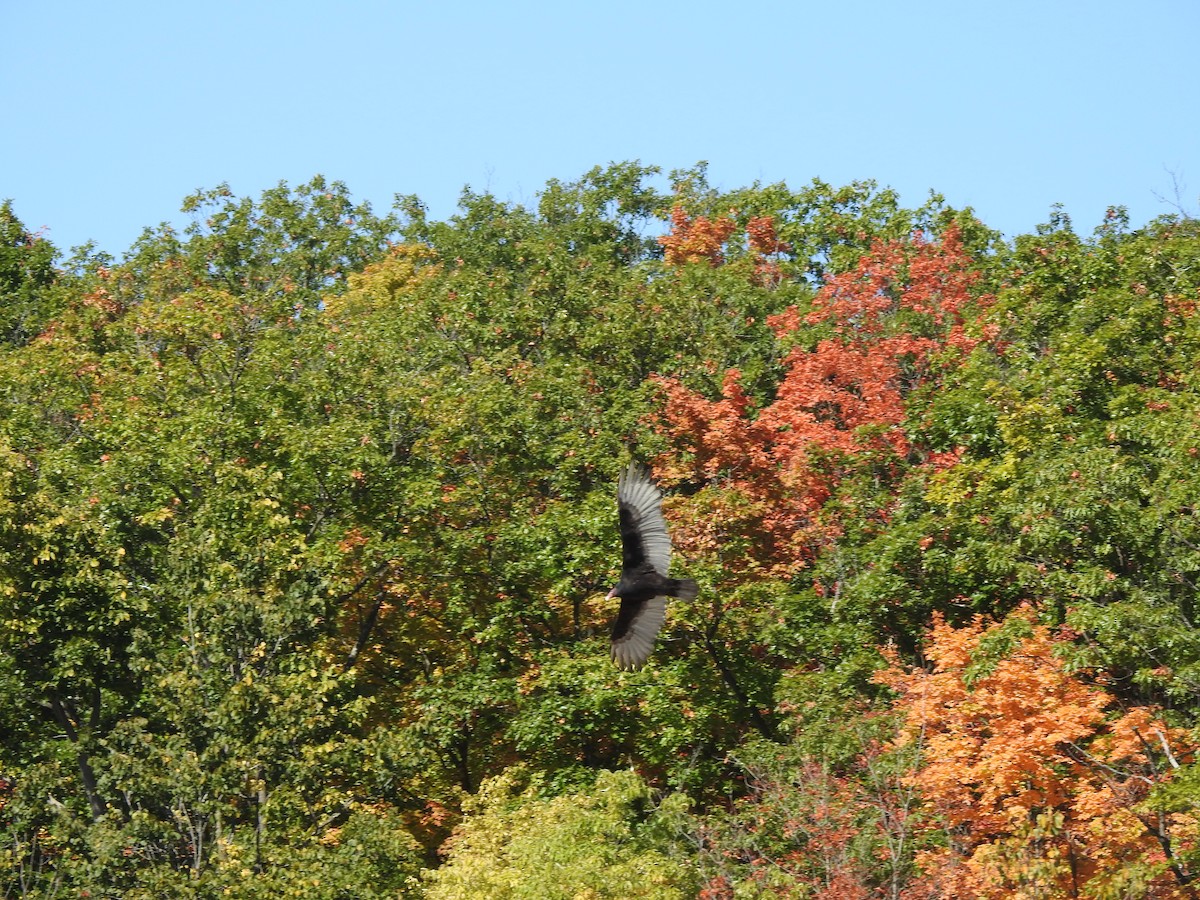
756 718
87 775
368 623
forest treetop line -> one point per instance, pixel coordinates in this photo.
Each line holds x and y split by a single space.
306 518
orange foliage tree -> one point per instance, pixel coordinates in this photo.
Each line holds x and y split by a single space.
698 239
1035 776
887 327
766 248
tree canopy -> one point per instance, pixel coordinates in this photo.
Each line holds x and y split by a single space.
307 514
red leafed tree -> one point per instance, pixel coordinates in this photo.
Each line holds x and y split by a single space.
888 324
808 828
1034 777
793 836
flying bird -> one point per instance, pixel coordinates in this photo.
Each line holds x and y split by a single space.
645 560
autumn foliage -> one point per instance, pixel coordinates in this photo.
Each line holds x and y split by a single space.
890 325
702 239
695 239
1036 775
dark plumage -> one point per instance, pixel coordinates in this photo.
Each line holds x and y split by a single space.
646 558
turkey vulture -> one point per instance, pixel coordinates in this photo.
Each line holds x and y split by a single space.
645 560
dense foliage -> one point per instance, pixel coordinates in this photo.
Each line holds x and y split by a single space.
307 514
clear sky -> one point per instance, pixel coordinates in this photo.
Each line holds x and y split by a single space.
114 112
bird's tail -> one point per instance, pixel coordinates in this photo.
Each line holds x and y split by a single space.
684 589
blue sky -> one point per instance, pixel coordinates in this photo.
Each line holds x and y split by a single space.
114 112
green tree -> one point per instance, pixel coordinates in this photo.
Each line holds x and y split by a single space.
175 589
27 274
608 841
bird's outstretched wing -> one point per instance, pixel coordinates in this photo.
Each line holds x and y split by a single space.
643 531
634 631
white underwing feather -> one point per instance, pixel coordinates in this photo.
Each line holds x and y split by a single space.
636 645
644 501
